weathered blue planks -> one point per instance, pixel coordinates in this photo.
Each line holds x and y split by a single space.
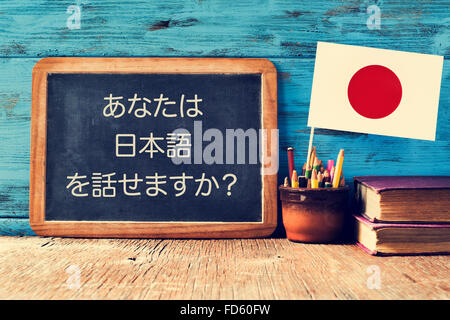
365 154
284 31
256 28
15 227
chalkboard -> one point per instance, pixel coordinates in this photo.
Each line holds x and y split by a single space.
153 147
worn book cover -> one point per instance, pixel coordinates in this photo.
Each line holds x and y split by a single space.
403 198
379 238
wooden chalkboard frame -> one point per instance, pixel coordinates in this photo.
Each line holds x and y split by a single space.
138 229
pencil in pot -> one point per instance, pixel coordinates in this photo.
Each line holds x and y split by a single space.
338 169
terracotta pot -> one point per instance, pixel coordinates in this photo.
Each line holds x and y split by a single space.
313 215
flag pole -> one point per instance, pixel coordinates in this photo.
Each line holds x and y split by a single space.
311 136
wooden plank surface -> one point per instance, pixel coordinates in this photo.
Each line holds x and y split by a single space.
255 28
367 154
15 227
48 268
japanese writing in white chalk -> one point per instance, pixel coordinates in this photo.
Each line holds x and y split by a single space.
176 145
141 107
107 185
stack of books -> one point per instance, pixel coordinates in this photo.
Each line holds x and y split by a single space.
403 214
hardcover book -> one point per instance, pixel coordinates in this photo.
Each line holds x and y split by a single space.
400 238
403 198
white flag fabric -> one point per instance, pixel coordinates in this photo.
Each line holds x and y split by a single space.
375 91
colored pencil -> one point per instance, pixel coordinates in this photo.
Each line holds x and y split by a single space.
338 169
291 164
314 180
294 180
304 169
330 164
308 172
342 182
312 157
316 165
332 174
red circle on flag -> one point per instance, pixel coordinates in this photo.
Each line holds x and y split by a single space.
374 91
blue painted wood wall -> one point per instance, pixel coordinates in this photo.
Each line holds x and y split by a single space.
286 32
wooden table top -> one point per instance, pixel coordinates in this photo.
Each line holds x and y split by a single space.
57 268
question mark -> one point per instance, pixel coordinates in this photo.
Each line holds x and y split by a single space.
232 182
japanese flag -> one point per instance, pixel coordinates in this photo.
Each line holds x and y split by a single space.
375 91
